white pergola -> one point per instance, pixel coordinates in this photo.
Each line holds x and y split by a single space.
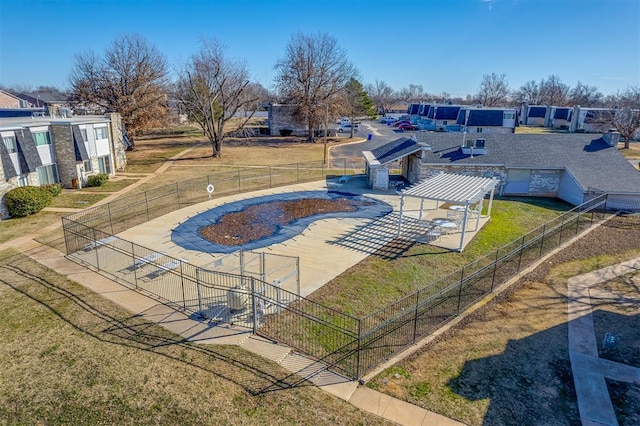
452 188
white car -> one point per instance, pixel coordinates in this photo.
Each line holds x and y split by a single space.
347 128
388 120
343 120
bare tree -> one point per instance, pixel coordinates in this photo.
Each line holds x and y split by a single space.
529 93
554 92
381 94
626 117
313 72
585 95
493 90
214 89
130 78
413 93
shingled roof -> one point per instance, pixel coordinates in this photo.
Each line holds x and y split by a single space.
587 157
392 151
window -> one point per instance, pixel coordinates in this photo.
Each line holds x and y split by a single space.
104 165
83 132
42 138
47 174
22 180
509 115
479 130
444 123
101 133
10 143
86 165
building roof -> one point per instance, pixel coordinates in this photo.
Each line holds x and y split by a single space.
485 117
587 157
444 112
23 122
392 151
562 113
537 111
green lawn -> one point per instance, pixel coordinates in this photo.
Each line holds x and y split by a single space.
70 356
381 279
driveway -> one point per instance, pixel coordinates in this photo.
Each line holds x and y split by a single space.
381 135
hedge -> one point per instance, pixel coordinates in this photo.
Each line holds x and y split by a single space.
97 180
26 200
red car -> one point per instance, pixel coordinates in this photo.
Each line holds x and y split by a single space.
406 126
401 122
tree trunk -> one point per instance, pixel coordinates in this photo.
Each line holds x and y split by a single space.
626 143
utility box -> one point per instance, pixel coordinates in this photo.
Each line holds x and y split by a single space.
237 298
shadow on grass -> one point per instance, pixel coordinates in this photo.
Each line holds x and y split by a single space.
106 324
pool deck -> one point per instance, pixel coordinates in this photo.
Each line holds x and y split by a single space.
325 247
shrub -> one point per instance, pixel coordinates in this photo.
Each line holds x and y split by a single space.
97 180
54 188
26 200
285 132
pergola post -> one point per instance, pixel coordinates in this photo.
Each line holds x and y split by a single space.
480 205
490 201
421 206
464 224
400 218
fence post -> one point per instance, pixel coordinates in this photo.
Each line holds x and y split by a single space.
520 256
146 203
298 275
135 270
254 310
415 317
96 247
110 220
184 302
495 269
544 230
263 266
460 291
358 348
198 292
241 254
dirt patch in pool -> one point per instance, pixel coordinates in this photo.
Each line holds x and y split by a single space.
263 220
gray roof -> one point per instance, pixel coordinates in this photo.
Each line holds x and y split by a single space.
392 151
24 122
587 157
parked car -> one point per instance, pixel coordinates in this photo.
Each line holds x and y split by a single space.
347 128
343 120
388 120
398 123
407 126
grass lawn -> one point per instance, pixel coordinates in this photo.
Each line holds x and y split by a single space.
69 356
385 277
20 226
538 130
76 199
111 185
508 363
150 154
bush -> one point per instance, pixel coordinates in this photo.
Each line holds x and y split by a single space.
26 200
97 180
54 188
285 132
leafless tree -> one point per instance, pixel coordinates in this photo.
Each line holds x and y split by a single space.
313 72
130 78
585 95
214 89
529 93
493 90
381 93
413 93
626 117
554 92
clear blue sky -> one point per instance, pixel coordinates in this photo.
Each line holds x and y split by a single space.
441 45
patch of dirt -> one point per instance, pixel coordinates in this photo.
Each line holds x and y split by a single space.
263 220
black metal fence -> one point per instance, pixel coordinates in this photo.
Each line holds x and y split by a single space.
348 345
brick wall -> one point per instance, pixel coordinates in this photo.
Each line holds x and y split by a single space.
117 146
62 139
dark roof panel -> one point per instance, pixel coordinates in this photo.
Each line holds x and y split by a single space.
485 117
447 112
395 150
537 111
562 113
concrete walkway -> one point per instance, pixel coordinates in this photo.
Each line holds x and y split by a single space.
590 371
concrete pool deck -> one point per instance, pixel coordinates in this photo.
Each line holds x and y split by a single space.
326 247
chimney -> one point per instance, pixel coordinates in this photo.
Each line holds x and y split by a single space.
611 137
